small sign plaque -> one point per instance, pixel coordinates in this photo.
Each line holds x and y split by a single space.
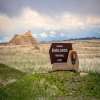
59 52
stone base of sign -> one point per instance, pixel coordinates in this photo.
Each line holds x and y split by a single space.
68 65
63 66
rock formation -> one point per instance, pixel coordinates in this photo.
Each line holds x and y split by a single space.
24 39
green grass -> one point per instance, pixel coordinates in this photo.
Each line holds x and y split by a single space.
50 86
8 74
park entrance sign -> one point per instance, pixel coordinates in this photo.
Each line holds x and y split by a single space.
63 57
59 52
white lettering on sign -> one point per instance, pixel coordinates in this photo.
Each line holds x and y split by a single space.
59 60
59 55
59 50
59 46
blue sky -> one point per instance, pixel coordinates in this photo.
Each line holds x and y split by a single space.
50 19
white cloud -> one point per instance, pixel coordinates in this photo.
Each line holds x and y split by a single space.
52 32
30 19
93 20
6 23
62 34
44 35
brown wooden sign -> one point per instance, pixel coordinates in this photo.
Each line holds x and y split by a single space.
59 52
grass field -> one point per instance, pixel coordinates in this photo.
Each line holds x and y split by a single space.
53 86
30 60
24 74
9 75
25 59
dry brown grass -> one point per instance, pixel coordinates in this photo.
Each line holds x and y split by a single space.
29 59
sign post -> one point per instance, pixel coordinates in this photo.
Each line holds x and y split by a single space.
63 57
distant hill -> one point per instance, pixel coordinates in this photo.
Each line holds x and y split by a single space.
86 38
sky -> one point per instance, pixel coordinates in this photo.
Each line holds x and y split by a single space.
50 19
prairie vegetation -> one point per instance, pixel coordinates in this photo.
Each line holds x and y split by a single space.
9 75
53 86
29 59
18 80
25 59
89 55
